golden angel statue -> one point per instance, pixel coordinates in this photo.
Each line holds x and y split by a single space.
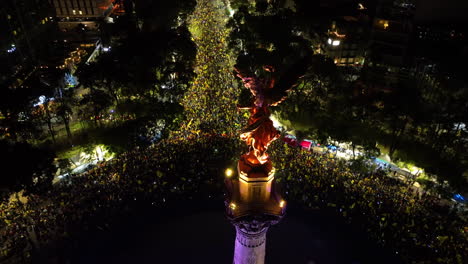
269 91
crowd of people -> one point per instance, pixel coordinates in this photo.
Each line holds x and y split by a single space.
172 169
210 103
190 165
415 225
76 201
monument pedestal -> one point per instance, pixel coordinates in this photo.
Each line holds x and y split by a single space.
252 205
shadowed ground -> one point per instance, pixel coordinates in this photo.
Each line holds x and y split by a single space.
203 235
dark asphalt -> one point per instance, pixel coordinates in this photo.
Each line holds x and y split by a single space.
203 235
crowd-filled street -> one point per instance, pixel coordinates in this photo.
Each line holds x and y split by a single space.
210 104
179 168
190 164
415 226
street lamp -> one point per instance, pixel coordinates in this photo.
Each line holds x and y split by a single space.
229 173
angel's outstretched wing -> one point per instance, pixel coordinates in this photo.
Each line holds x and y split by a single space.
249 79
286 81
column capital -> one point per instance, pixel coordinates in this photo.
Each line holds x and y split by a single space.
251 229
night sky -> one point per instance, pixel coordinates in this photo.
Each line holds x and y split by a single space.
442 10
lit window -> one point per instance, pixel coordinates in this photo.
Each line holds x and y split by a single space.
81 12
336 43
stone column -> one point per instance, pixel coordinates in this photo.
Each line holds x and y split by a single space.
251 239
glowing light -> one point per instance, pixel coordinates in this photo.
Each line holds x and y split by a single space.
276 122
12 49
42 99
338 35
106 49
336 43
99 152
282 203
229 173
384 23
70 80
329 41
458 197
233 206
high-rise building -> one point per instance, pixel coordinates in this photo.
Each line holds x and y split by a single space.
24 27
346 41
388 58
391 33
82 9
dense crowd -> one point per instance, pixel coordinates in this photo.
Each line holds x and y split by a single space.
210 103
136 175
189 165
414 224
153 176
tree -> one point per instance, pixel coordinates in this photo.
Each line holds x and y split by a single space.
17 105
45 112
236 4
47 83
64 109
94 104
25 167
166 14
14 104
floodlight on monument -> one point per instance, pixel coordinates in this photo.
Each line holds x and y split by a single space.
229 172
